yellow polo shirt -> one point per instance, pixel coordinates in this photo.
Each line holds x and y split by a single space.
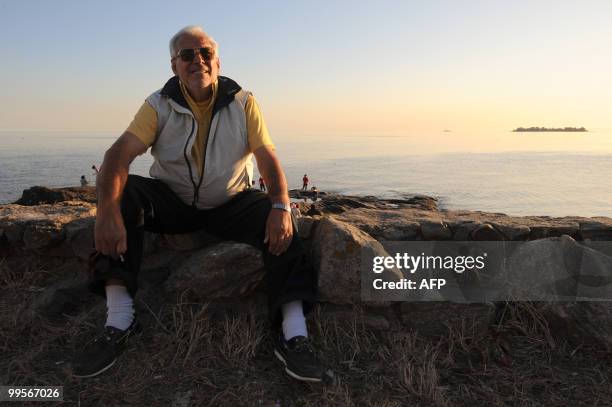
144 125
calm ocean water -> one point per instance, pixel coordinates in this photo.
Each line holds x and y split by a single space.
555 183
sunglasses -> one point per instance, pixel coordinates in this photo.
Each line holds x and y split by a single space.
188 54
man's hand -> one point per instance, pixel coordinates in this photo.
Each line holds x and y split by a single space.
279 231
110 234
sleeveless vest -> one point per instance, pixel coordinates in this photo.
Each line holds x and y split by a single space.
227 166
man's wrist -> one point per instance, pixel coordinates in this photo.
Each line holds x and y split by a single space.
282 206
108 208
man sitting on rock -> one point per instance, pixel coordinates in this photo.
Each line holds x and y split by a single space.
203 130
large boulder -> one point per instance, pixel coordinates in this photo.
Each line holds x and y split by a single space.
339 251
42 226
190 241
559 269
305 226
222 270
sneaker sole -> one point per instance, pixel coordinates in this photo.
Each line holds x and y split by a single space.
292 374
104 369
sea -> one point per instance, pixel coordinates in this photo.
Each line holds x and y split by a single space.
551 174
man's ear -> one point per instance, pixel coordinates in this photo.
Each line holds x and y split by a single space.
173 64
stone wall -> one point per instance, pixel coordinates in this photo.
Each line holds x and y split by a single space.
204 268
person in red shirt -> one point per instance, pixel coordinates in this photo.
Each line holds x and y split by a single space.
305 183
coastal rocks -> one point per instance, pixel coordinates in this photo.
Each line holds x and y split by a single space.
80 235
201 267
339 204
38 235
432 230
595 230
305 226
557 228
383 224
306 195
401 230
403 223
38 227
512 231
337 253
559 269
426 203
226 269
43 195
336 204
462 231
486 233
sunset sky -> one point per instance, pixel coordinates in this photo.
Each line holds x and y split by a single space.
318 67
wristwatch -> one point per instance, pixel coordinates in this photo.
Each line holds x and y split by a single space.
284 207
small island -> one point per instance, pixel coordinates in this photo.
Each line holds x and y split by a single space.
559 129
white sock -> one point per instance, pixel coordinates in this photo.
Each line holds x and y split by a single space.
294 323
120 307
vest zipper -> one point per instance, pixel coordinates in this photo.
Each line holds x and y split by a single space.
197 192
189 165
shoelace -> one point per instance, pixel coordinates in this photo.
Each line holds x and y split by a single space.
303 345
106 335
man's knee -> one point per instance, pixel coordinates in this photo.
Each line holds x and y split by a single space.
134 184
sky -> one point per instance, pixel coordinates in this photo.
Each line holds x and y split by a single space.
318 67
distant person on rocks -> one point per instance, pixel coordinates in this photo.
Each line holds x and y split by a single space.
84 181
262 184
96 170
315 193
186 195
305 183
295 210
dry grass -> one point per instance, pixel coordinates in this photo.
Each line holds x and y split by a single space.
188 354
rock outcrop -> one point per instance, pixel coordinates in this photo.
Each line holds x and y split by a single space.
344 229
222 270
43 195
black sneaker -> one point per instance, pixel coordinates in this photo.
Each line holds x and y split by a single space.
298 356
101 353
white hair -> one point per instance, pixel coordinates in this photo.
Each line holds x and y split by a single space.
193 30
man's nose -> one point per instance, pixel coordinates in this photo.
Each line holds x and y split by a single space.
199 57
